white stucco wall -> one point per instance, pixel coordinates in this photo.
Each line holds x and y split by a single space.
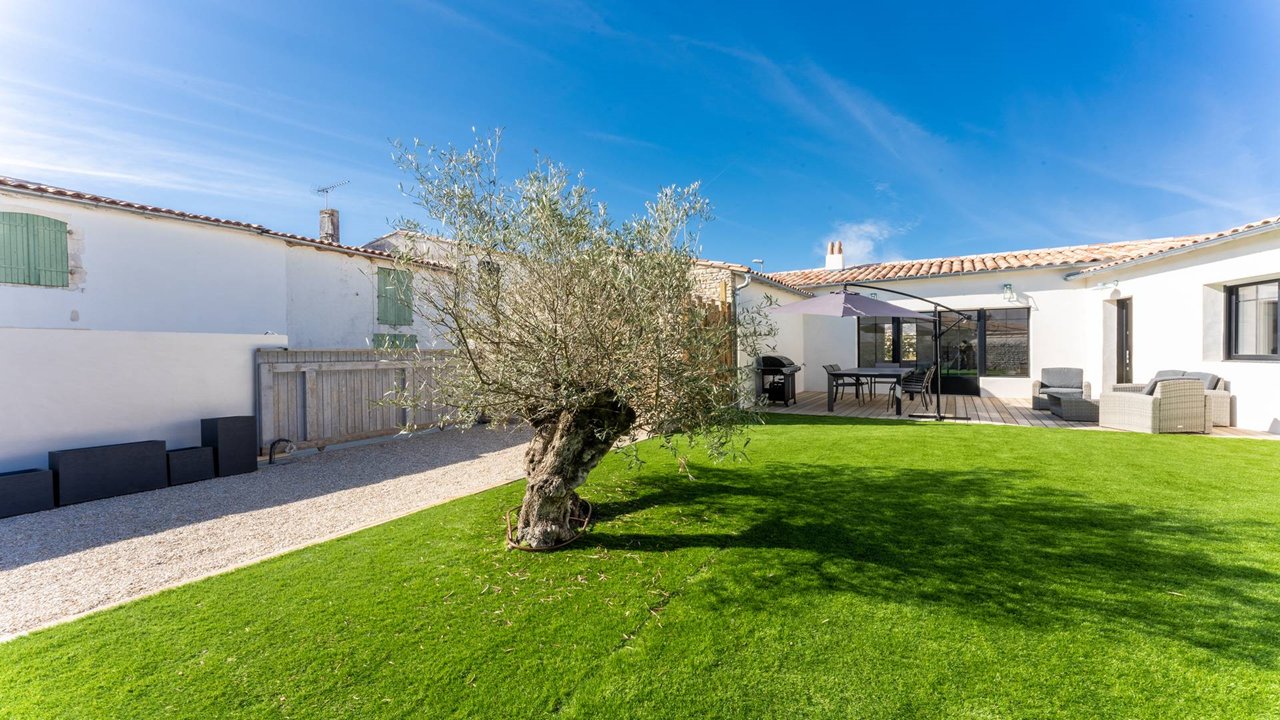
789 329
333 301
139 273
1059 330
64 389
1179 310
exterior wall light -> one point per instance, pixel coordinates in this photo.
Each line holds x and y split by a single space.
1009 295
873 296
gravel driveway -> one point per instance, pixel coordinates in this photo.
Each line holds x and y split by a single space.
61 563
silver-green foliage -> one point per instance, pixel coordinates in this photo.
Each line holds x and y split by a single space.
551 305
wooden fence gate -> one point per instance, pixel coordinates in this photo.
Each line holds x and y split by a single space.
323 397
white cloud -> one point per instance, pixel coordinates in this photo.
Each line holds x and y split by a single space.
863 240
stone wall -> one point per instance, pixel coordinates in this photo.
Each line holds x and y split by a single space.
713 284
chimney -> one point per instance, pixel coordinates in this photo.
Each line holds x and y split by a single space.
329 225
835 255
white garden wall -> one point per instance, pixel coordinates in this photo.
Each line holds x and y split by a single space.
73 388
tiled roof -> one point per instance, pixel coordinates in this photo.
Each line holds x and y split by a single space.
743 269
1185 241
1096 256
8 183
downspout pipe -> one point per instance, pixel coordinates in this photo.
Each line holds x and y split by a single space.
746 280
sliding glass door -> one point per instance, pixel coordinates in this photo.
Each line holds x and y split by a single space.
893 341
991 343
959 354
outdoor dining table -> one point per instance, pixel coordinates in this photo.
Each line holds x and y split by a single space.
894 373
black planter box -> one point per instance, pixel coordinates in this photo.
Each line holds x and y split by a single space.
94 473
187 465
25 491
234 442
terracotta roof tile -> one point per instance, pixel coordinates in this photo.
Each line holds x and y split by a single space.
734 267
76 196
1098 256
1182 242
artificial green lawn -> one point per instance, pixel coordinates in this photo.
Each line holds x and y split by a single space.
851 569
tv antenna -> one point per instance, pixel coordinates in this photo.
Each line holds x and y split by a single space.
324 191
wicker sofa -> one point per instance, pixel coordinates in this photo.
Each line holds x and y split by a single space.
1174 405
1217 389
1060 379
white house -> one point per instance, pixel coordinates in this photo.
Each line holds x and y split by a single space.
1121 311
121 321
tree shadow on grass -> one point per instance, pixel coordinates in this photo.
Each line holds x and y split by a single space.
984 543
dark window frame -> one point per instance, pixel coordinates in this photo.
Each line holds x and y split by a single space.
1229 334
982 341
980 321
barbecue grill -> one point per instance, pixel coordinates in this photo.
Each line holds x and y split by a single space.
777 378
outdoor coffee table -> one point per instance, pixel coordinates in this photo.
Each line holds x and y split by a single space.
1073 407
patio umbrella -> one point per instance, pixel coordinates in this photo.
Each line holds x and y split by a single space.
847 304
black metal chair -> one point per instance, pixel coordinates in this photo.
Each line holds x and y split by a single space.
917 384
844 382
889 383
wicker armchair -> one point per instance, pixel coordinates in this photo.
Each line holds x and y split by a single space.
1177 405
1217 389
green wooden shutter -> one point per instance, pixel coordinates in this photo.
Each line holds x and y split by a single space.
394 341
395 297
33 250
14 248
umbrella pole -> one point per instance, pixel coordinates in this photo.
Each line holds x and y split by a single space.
937 363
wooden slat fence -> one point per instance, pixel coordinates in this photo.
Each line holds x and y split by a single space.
323 397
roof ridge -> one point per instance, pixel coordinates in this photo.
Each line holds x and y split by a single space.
78 196
1100 255
995 253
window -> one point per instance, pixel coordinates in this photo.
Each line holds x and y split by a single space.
876 340
33 250
884 340
995 343
908 345
1252 323
395 297
1006 342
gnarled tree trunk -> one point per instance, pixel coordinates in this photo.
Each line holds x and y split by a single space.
565 448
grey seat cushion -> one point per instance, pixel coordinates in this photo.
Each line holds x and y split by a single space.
1209 379
1075 390
1062 377
1150 389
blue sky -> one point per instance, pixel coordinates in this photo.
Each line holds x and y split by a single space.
906 132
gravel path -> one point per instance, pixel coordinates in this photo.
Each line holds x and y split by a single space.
62 563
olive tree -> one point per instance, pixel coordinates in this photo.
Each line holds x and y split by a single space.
591 330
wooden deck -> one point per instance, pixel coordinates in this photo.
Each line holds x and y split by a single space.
982 410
